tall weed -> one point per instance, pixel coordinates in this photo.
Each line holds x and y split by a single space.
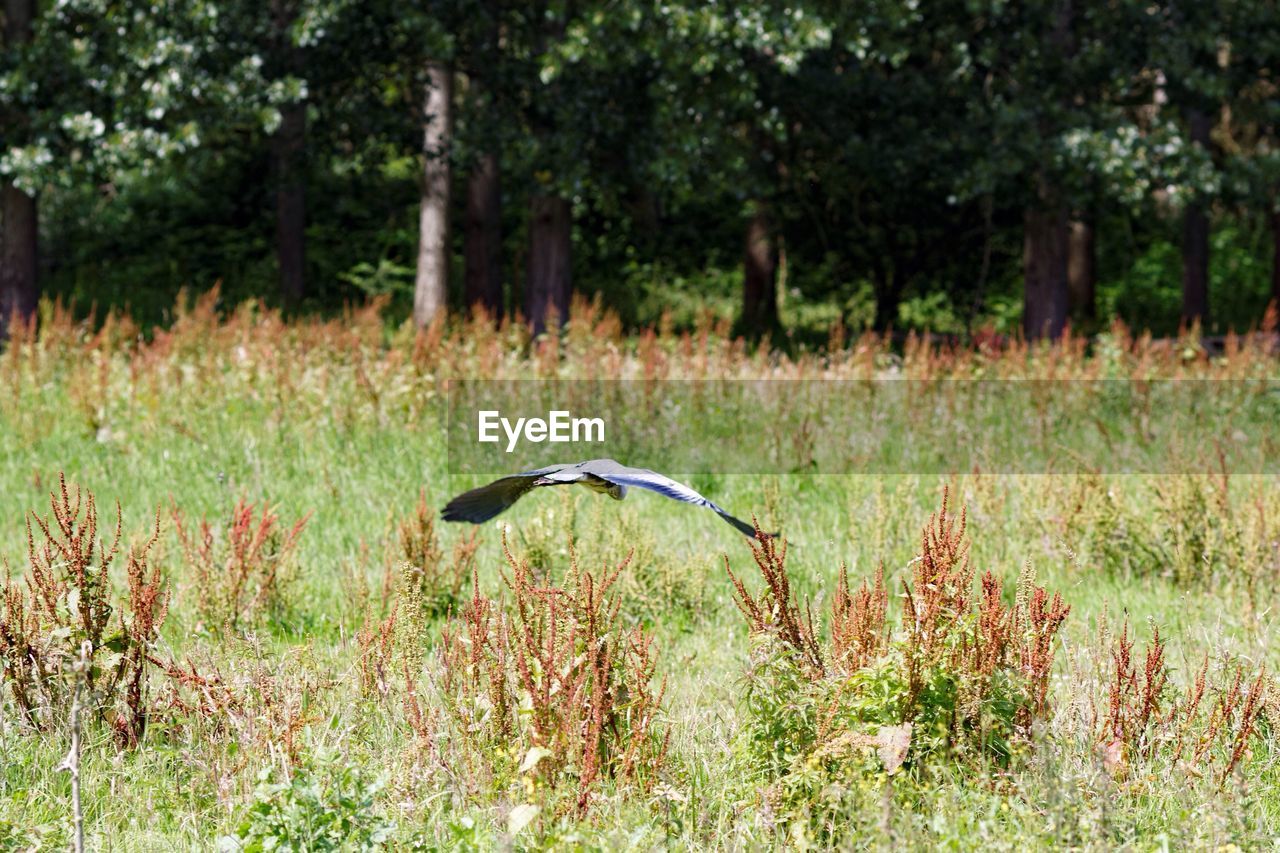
67 604
961 680
241 569
556 691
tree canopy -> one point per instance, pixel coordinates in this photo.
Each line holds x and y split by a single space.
896 164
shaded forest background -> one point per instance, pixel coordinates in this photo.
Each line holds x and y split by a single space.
950 166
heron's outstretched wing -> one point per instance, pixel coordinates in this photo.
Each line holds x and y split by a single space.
643 478
480 505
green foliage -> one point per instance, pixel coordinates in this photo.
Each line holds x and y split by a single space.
15 838
1189 529
790 716
957 686
783 710
1148 292
324 804
385 279
897 158
823 749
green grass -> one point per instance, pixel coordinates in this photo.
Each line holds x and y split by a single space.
286 417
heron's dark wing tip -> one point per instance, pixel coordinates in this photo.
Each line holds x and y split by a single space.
453 512
479 505
461 509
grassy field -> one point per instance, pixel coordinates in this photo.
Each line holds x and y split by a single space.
304 657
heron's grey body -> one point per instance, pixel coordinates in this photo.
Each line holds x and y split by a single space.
599 475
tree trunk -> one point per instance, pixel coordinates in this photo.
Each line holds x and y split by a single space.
759 274
646 214
1045 294
288 148
1195 238
1275 258
1046 300
18 282
549 281
888 294
483 243
431 286
18 285
1082 270
291 203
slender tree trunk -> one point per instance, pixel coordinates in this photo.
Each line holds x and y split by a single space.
549 282
1045 294
1046 299
288 150
1195 237
483 243
431 287
1275 258
759 274
888 299
1082 270
291 203
18 282
646 214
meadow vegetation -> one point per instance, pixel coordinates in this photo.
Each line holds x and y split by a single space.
233 522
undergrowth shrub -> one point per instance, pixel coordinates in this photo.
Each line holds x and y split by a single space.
426 586
1103 527
67 604
240 570
432 584
258 700
1205 729
1201 537
18 838
960 680
543 537
554 695
326 803
1192 531
656 587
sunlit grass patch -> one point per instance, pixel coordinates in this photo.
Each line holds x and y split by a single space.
364 642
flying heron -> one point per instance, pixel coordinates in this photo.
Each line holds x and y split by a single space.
598 475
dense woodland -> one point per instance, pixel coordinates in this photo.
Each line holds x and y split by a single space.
889 164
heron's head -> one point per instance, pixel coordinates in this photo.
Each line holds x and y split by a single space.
617 491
